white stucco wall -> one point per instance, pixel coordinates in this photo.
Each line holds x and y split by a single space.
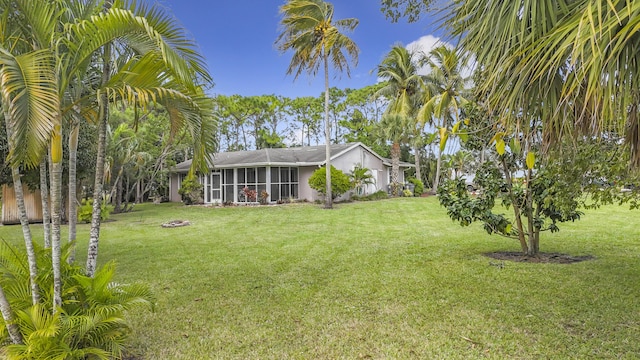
304 191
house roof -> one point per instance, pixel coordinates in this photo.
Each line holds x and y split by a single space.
295 156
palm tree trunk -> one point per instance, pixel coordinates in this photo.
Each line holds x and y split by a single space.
395 168
7 316
24 219
73 196
44 194
416 151
94 233
56 212
436 181
328 201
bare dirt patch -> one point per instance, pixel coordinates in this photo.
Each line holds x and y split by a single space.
550 258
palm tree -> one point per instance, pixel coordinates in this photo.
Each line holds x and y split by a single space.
571 64
361 177
460 162
444 95
394 128
316 40
403 90
34 81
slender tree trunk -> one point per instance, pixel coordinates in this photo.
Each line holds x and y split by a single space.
516 211
56 212
436 181
7 316
328 201
416 151
533 246
395 168
94 233
24 218
73 196
44 194
117 193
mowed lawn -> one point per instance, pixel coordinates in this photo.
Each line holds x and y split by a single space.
392 279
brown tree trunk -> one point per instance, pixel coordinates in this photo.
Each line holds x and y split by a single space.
395 169
516 211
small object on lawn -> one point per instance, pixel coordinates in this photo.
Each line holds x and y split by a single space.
176 223
499 265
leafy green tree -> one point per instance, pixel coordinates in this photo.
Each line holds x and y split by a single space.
316 40
539 202
340 182
410 9
307 112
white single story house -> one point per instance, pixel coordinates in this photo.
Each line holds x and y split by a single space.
283 173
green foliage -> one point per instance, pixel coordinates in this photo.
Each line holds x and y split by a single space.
407 193
89 325
191 191
541 200
412 10
418 186
340 182
378 195
85 211
360 177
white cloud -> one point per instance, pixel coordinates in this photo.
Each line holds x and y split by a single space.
427 43
423 46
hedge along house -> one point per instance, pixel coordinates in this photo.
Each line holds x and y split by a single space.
282 173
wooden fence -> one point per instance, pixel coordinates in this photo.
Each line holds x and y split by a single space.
10 213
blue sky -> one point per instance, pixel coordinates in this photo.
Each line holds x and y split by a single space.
237 38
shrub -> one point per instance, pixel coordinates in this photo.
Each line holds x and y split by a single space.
418 186
340 182
191 191
264 197
249 194
89 325
378 195
407 193
85 212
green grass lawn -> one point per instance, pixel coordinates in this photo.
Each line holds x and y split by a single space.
392 279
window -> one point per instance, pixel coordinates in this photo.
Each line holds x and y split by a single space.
253 179
284 183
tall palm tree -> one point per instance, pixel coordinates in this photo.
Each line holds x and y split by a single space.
316 40
394 128
403 90
445 94
572 64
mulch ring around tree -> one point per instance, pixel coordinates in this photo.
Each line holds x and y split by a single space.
546 258
176 223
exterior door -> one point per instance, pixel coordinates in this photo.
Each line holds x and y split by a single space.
216 193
